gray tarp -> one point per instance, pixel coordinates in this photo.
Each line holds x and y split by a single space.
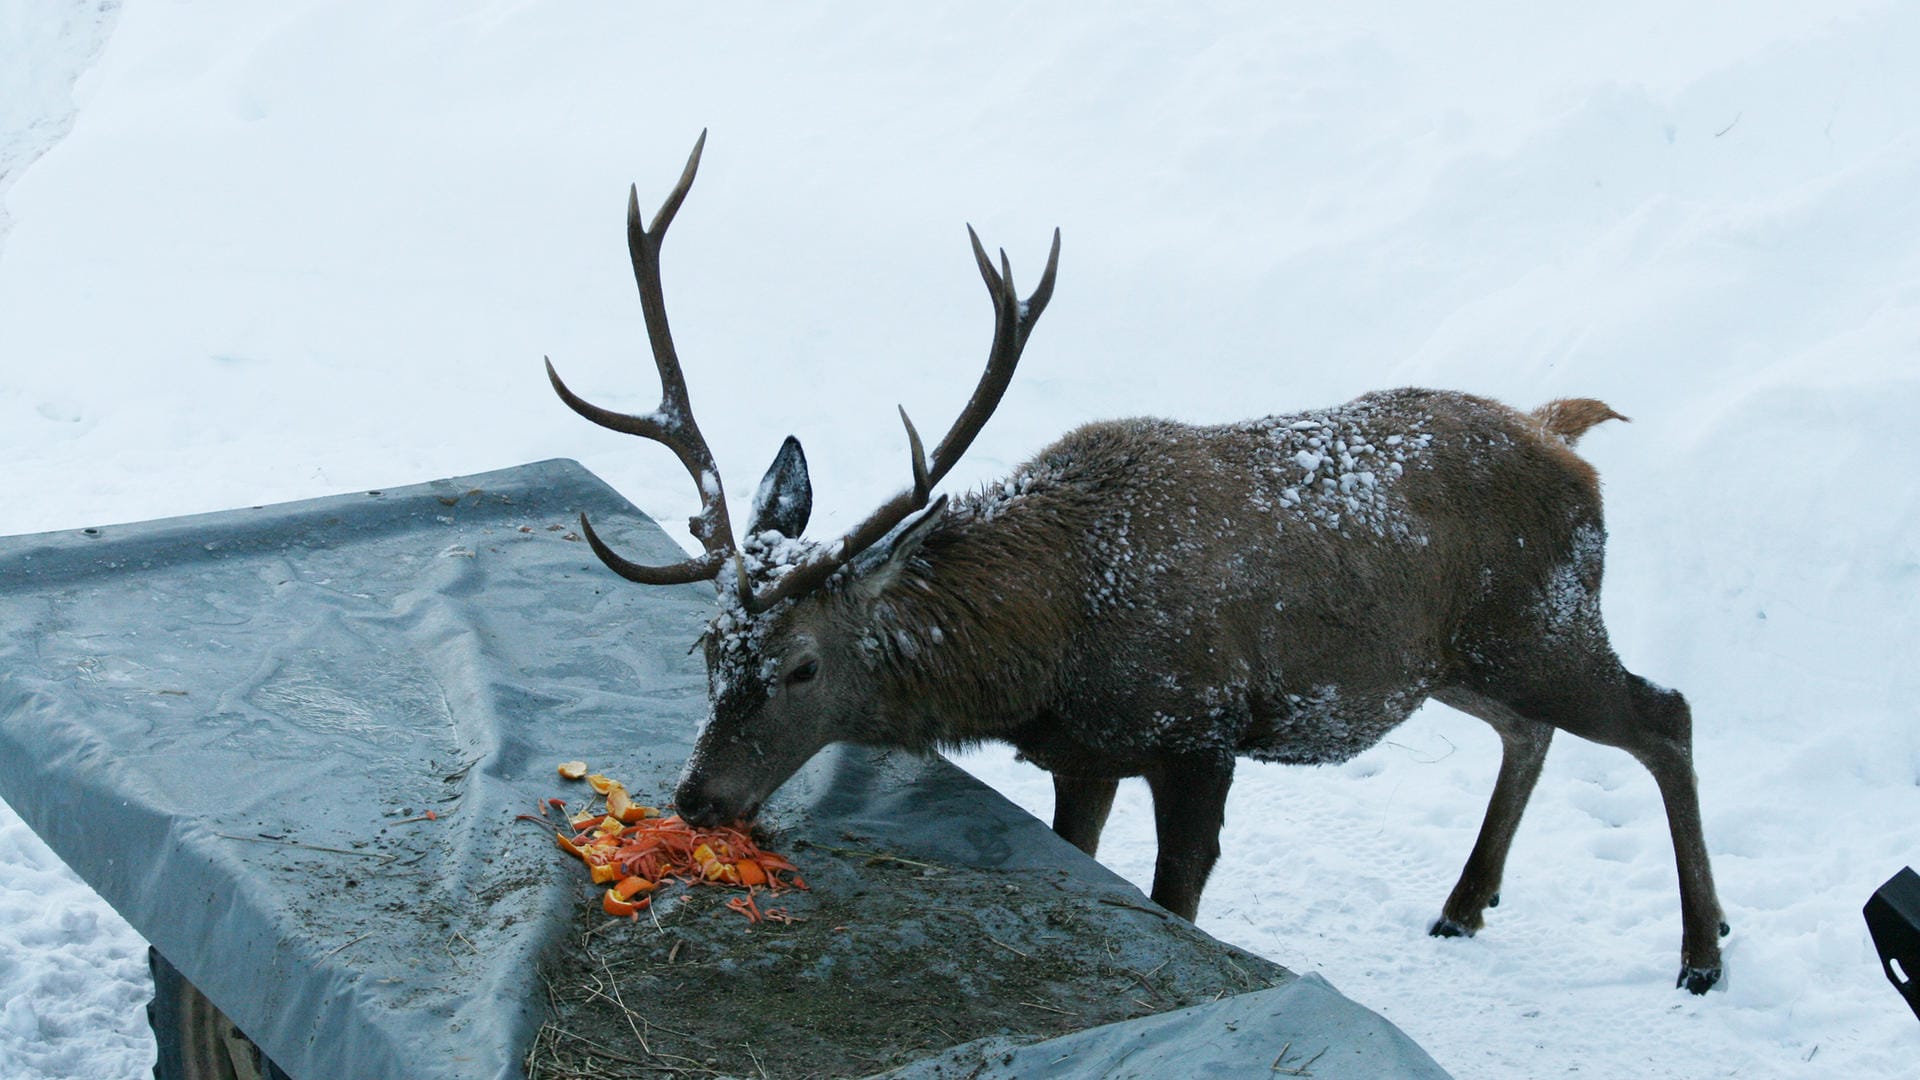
232 726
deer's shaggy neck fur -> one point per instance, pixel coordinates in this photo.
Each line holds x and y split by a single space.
973 633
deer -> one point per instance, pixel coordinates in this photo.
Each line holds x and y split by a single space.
1149 598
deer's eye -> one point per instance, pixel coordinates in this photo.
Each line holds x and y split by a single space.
804 673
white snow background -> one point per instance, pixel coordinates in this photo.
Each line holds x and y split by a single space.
258 252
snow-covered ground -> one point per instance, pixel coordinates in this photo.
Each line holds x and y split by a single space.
256 252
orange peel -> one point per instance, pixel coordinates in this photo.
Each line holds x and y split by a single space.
634 850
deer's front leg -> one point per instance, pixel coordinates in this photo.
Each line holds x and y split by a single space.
1080 808
1189 806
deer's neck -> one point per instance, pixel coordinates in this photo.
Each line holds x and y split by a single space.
973 634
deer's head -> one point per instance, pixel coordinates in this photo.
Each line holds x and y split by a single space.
788 668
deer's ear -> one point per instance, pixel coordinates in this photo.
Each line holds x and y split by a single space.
901 548
914 535
784 500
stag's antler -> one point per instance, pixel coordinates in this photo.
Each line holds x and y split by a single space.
672 424
1013 320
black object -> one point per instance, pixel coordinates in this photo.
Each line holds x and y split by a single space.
1893 918
193 1039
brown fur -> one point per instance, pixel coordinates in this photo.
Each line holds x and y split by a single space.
1150 598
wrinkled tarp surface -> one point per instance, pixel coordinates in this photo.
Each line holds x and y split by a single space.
1304 1028
233 725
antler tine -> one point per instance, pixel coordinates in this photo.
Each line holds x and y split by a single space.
922 481
672 423
643 244
664 216
1012 321
704 568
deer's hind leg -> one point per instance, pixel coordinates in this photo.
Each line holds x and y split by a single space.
1523 745
1662 740
1571 680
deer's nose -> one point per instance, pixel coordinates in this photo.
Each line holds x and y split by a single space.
698 807
704 804
703 807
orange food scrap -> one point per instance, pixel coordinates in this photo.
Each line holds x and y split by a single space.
745 906
636 850
613 905
600 783
621 805
572 770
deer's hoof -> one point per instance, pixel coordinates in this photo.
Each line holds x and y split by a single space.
1445 927
1697 980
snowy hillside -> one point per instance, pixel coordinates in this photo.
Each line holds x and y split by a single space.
258 252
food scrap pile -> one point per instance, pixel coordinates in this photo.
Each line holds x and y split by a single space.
634 850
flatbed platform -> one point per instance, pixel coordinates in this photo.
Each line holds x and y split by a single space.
233 726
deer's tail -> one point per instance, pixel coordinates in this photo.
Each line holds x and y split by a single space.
1570 418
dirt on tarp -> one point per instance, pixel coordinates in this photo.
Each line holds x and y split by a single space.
888 959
